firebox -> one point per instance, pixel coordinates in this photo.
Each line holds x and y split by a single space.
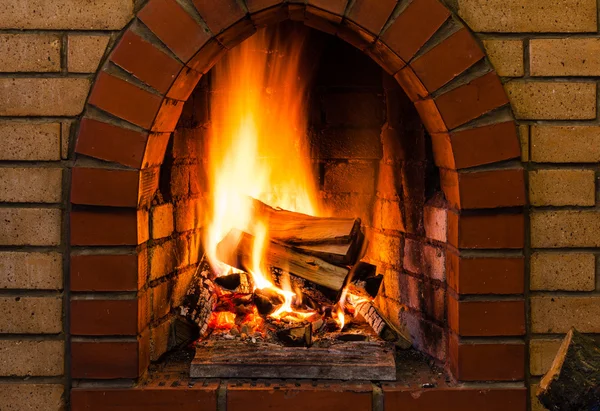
313 192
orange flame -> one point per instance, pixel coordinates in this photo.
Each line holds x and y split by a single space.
257 144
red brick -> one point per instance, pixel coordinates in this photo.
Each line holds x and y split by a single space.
207 57
117 227
486 318
101 272
219 15
484 189
257 5
487 361
182 398
411 84
107 317
174 27
372 15
385 57
155 149
486 231
167 116
146 62
237 33
485 275
111 143
447 60
454 399
184 84
471 100
430 116
100 186
322 20
476 146
417 23
268 17
333 6
124 100
354 34
355 397
109 359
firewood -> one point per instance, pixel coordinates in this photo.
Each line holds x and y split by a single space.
363 280
296 228
183 332
282 257
383 328
296 336
238 282
200 297
267 301
573 381
340 254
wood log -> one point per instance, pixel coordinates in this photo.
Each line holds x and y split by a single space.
200 298
295 335
302 229
361 360
382 327
267 301
283 257
238 282
573 381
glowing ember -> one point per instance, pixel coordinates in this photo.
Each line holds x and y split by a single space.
257 146
222 320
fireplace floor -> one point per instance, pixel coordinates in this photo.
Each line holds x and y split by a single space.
420 386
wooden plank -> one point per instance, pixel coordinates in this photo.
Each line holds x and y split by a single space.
282 257
356 360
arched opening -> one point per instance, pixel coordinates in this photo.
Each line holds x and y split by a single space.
133 109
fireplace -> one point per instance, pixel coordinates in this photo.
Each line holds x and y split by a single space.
423 153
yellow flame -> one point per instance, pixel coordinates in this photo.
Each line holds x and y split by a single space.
257 144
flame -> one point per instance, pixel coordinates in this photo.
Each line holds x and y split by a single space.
257 145
338 315
222 320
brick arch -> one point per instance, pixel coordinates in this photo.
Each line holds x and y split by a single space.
139 93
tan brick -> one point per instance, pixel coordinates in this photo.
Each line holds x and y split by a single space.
31 315
29 141
31 185
31 397
85 52
565 144
557 314
565 228
30 226
563 271
31 358
565 57
541 354
162 221
544 100
29 52
524 138
529 15
562 187
31 270
65 139
43 96
65 14
506 56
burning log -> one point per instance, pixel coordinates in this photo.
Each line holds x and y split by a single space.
239 282
301 229
341 254
573 381
380 325
201 296
296 335
267 301
282 257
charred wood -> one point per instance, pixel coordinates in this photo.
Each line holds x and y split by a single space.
201 296
380 325
573 381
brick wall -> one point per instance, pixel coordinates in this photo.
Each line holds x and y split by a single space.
547 53
49 52
49 49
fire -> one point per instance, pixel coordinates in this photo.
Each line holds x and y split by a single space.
257 145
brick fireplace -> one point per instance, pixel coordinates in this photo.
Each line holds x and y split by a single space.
442 206
438 180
